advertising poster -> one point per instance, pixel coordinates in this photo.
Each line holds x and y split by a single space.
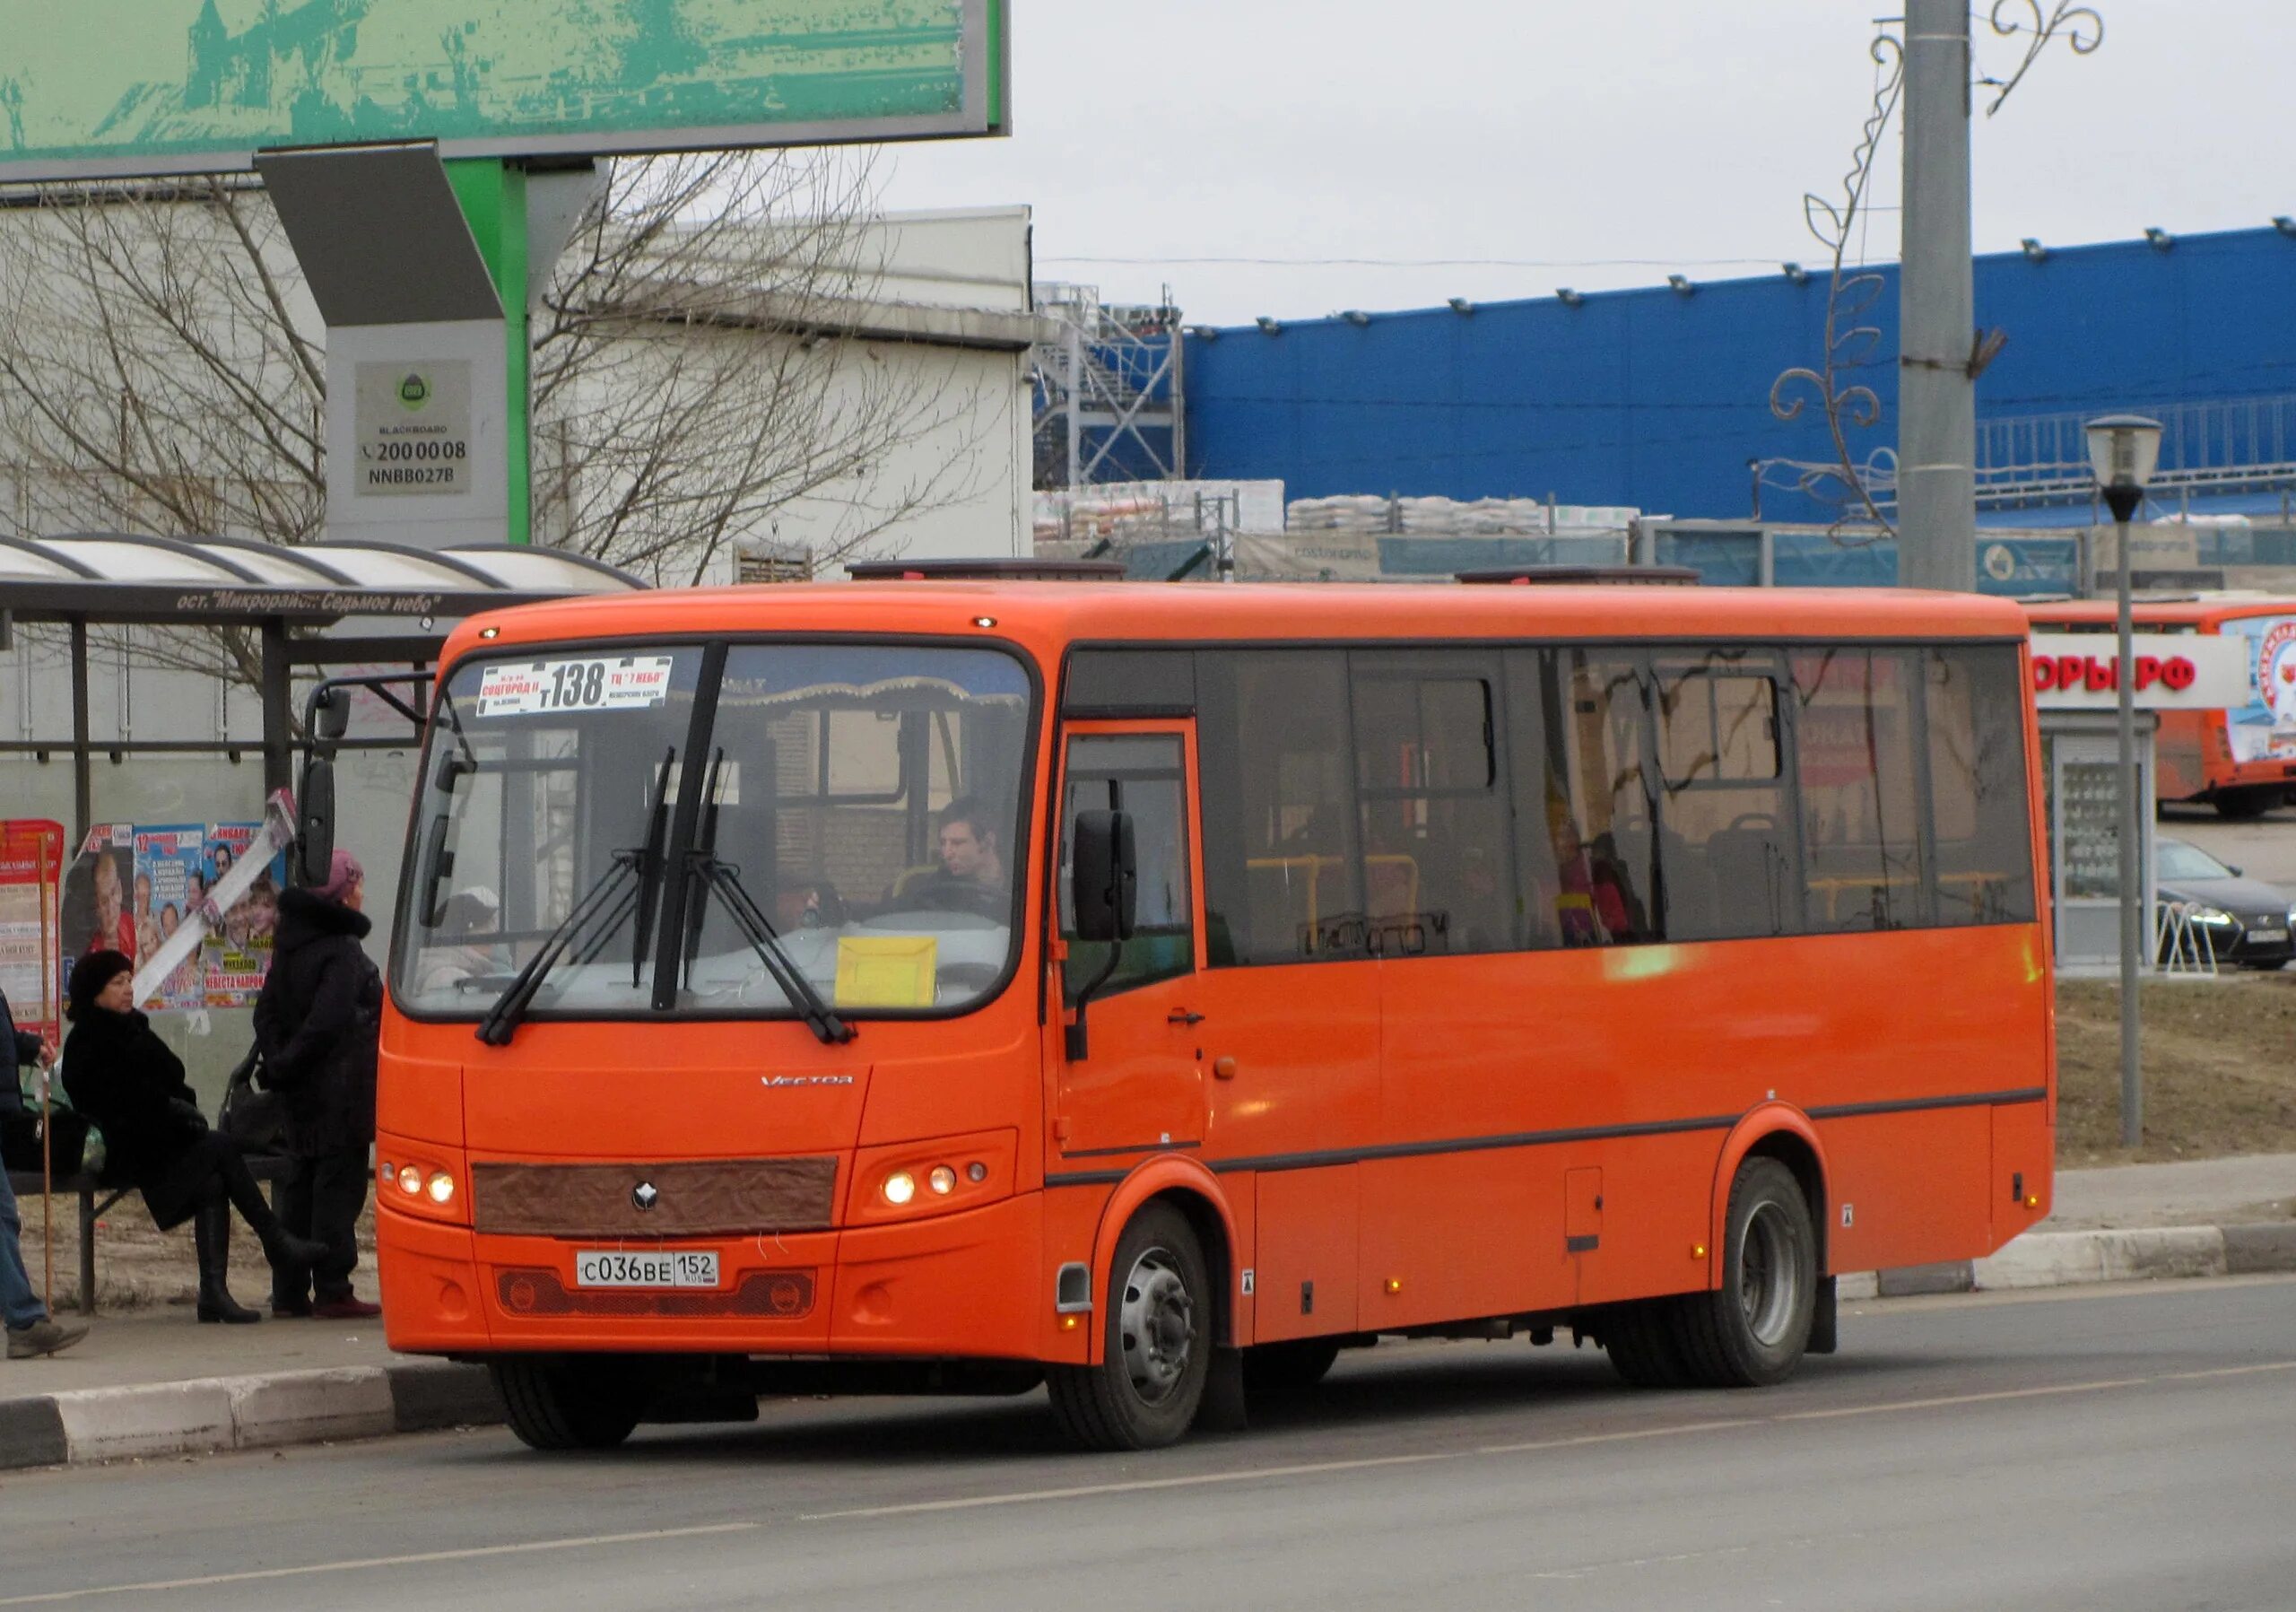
98 888
2265 729
32 869
237 953
170 885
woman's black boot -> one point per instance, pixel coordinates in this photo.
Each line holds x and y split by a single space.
284 1249
211 1231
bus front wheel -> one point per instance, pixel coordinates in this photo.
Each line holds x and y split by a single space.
1157 1342
1752 1331
580 1403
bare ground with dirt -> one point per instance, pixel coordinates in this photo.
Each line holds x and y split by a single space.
2219 1063
140 1266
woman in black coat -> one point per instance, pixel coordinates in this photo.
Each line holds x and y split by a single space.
122 1077
318 1021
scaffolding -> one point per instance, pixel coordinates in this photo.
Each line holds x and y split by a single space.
1110 404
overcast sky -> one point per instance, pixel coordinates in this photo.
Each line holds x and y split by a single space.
1595 143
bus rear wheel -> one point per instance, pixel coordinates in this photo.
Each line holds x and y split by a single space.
2244 804
1157 1342
585 1403
1752 1331
1640 1339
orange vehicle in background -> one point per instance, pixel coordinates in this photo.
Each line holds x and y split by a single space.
945 986
2243 762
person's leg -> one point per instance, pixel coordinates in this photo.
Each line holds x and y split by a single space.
340 1192
20 1306
292 1198
219 1157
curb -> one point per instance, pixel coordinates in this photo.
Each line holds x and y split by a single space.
2068 1258
212 1414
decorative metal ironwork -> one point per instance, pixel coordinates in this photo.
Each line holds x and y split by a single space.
1858 487
2081 27
1851 343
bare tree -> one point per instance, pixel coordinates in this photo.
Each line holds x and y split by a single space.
712 353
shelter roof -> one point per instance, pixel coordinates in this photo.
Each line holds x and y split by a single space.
110 576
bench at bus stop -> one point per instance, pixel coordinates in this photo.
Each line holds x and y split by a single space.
97 1201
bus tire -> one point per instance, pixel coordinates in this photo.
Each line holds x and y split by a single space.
1157 1343
1286 1371
1640 1339
555 1405
2244 804
1753 1330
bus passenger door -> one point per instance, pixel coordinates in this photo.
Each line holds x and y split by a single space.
1140 1089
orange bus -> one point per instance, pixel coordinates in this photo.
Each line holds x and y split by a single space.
2243 762
1149 992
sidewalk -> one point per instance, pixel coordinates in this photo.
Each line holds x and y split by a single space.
155 1382
152 1382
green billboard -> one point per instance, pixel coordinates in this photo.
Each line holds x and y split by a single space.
96 88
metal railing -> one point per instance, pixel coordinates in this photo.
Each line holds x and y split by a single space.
2223 445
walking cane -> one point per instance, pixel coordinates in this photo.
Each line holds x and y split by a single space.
47 1152
47 1205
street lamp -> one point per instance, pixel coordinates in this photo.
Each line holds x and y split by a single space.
2123 449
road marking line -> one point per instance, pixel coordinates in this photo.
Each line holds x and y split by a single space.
416 1559
2231 1370
1621 1437
1946 1399
1140 1485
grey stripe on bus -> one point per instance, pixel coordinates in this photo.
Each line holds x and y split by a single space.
1548 1139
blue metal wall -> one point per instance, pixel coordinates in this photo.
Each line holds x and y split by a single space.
1658 400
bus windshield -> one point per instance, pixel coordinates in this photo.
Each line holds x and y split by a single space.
755 830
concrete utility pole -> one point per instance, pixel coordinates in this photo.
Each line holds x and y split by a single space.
1936 308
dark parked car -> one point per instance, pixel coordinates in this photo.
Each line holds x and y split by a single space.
2246 920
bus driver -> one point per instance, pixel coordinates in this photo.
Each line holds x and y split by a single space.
970 877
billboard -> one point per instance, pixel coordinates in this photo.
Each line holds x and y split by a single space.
122 87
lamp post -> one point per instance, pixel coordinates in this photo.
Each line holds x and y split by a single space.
2123 449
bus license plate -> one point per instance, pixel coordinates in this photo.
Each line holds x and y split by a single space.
668 1267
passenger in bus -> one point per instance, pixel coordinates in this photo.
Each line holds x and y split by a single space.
123 1078
1589 904
970 877
318 1021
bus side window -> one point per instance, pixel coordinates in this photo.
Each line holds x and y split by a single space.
1432 804
1726 833
1854 736
1582 834
1143 775
1976 782
1282 878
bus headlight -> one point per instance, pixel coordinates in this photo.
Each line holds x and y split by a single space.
901 1186
942 1180
410 1181
441 1188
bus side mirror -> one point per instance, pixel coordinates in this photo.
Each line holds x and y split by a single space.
333 715
1105 878
314 831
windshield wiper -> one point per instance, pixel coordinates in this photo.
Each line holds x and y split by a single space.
615 893
724 881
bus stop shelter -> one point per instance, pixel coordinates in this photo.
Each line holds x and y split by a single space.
310 610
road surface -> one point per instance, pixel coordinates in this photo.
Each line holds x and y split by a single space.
2097 1449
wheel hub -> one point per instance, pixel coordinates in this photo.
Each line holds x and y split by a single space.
1157 1324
